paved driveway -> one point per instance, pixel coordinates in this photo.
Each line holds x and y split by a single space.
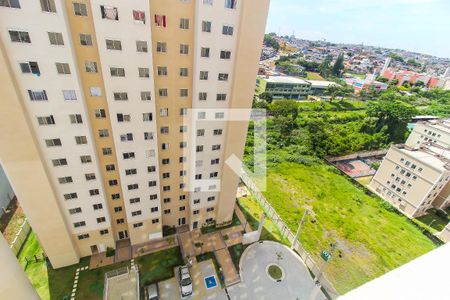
256 284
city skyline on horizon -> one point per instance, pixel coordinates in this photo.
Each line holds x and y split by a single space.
355 22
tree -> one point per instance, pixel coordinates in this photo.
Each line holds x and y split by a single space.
382 79
266 97
394 115
285 114
338 67
325 66
270 41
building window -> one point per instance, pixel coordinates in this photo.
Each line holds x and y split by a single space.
79 224
120 221
147 117
79 9
160 21
184 23
215 147
47 120
153 197
210 209
184 92
120 96
100 113
164 112
55 38
123 118
201 115
182 208
20 36
213 175
139 16
48 5
128 155
224 54
69 95
91 67
167 211
227 30
110 168
151 169
109 12
81 140
117 72
152 183
113 44
206 26
220 115
164 130
135 200
161 47
208 2
103 133
112 182
183 128
217 131
70 196
130 172
200 132
155 221
165 161
231 4
204 52
141 46
64 180
137 225
144 72
183 72
184 49
146 96
85 39
118 209
196 212
163 92
223 77
104 232
203 75
97 206
31 67
199 148
89 176
10 3
162 71
202 96
83 236
95 91
94 192
165 146
62 68
133 186
212 198
148 136
221 97
53 142
37 95
127 137
85 159
101 220
215 161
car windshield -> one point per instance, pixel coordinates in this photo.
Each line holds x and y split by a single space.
186 281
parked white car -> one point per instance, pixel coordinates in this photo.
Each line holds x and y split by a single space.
185 282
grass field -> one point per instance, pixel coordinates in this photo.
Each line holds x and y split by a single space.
313 76
56 284
371 239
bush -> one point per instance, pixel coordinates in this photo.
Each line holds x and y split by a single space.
110 252
441 214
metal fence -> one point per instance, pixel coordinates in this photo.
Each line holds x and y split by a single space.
286 232
124 273
20 237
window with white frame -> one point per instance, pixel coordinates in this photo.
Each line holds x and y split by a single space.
48 5
109 12
223 77
225 54
204 52
95 91
75 119
85 39
62 68
146 96
91 66
120 96
10 3
113 44
160 20
221 97
161 47
79 9
139 16
184 49
202 96
19 36
37 95
163 112
117 72
30 67
184 23
206 26
204 75
123 118
147 117
144 72
141 46
232 4
162 71
69 95
184 72
163 92
56 38
227 30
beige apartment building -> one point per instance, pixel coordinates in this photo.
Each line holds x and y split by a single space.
416 176
96 106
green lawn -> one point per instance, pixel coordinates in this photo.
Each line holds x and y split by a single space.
372 240
252 212
437 223
313 76
55 284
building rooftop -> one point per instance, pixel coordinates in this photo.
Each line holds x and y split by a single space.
286 79
321 83
433 156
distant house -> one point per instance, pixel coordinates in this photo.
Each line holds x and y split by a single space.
286 87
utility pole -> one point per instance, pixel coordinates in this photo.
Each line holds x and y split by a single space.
325 263
294 242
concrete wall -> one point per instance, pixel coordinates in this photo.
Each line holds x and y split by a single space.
6 191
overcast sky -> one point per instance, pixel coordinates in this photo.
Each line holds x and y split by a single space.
416 25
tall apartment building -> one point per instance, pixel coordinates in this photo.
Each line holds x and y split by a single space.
93 108
416 176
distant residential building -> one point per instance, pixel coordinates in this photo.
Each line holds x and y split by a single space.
286 87
362 84
281 87
416 176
